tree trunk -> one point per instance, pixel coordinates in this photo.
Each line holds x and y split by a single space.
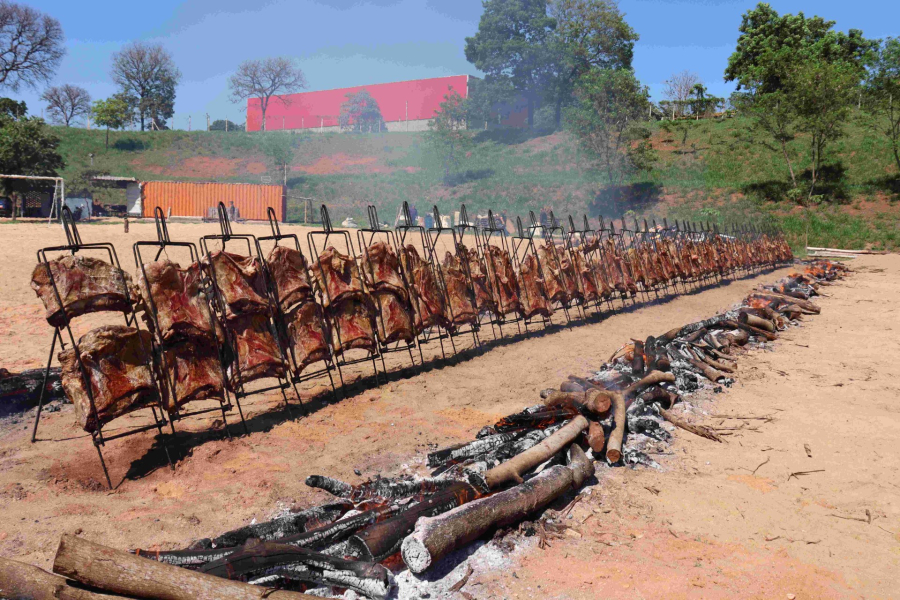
300 564
530 111
129 575
436 537
596 438
107 137
788 161
21 581
614 443
513 469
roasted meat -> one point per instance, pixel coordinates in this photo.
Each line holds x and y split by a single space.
568 275
553 284
394 320
241 282
289 272
461 308
181 307
337 276
307 334
534 301
196 372
382 269
585 276
116 359
427 299
505 286
258 355
353 325
85 285
478 274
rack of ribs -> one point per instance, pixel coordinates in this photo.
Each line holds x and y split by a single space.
307 334
461 307
241 282
258 354
196 372
85 285
556 292
478 274
427 298
534 301
505 285
337 275
182 310
290 275
353 324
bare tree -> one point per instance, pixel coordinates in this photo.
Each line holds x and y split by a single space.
31 46
147 73
678 89
266 78
66 103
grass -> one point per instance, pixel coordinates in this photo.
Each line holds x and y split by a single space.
715 176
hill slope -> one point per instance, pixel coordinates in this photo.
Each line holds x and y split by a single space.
712 175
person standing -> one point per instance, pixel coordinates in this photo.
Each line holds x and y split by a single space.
126 222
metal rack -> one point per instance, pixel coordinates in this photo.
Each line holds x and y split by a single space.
376 233
578 240
550 235
296 375
330 233
466 225
75 245
227 235
162 244
523 247
487 233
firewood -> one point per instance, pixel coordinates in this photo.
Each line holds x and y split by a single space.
695 429
737 337
614 443
535 420
758 322
268 558
513 469
571 386
593 403
383 539
436 537
21 581
652 378
805 305
445 456
582 467
596 438
129 575
293 523
386 489
706 370
716 364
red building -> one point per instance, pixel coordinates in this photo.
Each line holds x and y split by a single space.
405 105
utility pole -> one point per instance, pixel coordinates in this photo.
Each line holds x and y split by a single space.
226 123
207 121
282 123
189 122
407 116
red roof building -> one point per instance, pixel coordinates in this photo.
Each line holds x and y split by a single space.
405 105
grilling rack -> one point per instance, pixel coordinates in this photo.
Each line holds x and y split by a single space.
522 247
326 233
631 255
435 332
376 233
162 243
610 249
487 232
644 242
433 237
550 234
658 235
578 241
623 261
296 376
75 245
219 307
466 225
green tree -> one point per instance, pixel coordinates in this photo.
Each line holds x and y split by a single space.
608 122
147 74
360 113
883 94
27 147
12 108
447 133
225 125
113 113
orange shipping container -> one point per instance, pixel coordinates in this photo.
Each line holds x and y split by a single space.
187 199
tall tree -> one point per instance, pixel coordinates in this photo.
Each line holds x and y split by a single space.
677 89
608 123
65 103
360 113
28 147
883 94
265 78
113 113
447 133
31 46
12 108
147 73
513 42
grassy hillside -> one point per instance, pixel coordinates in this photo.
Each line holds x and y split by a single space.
714 175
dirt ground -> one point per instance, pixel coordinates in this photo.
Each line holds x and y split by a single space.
718 521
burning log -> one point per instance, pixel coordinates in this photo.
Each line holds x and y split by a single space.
594 402
753 330
805 305
21 581
614 443
534 420
571 386
706 370
436 537
381 489
275 561
738 337
596 438
653 378
129 575
757 322
439 458
383 539
513 469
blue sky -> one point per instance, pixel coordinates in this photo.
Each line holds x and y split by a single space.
346 42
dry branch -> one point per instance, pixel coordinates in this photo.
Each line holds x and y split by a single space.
20 581
695 429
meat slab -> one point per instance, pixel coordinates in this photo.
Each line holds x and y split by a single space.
85 285
461 308
258 355
289 272
427 299
556 291
337 276
534 301
506 293
395 320
585 275
382 269
353 327
116 359
196 372
241 282
478 274
182 309
307 334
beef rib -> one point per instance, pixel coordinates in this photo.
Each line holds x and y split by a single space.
241 282
337 276
461 308
534 301
290 275
182 309
258 355
307 334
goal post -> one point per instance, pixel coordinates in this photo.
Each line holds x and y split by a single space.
59 192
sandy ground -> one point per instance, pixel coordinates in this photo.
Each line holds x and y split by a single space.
709 525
